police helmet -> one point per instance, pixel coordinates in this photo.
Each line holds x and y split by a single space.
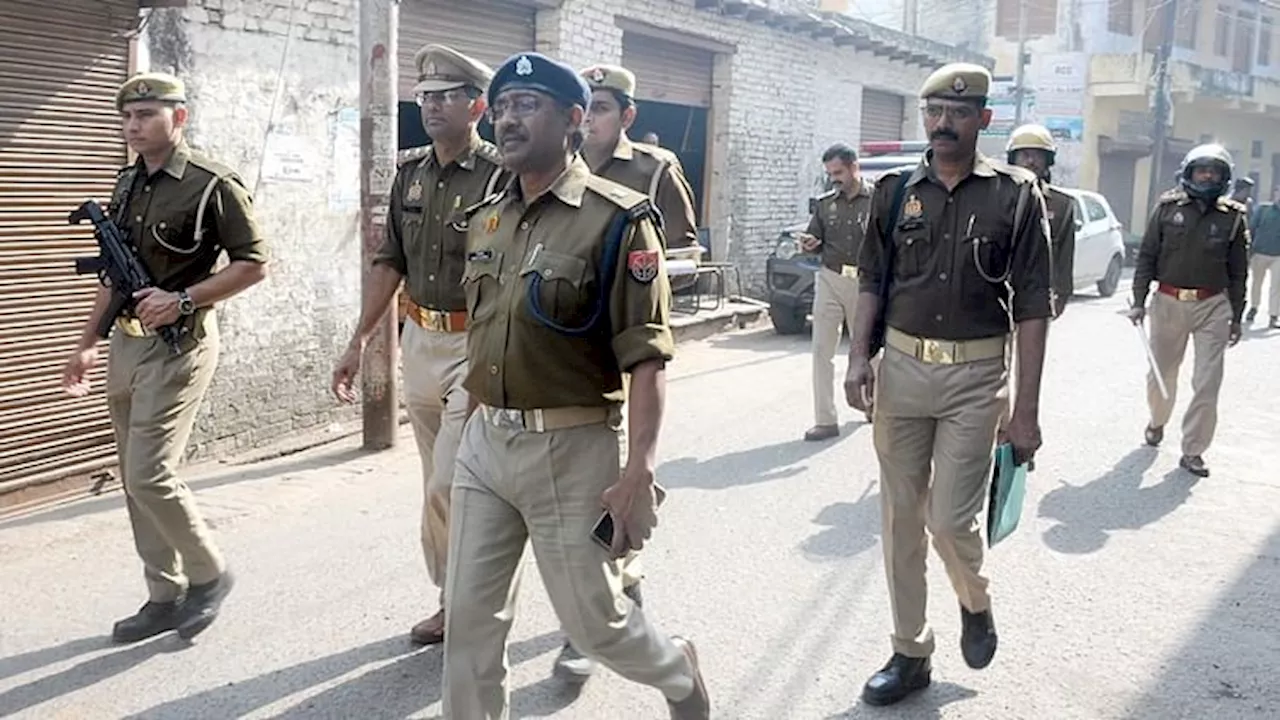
1031 137
1209 155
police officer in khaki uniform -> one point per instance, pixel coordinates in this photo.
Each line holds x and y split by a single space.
566 291
956 254
181 211
835 231
658 174
1033 147
1196 250
425 247
642 167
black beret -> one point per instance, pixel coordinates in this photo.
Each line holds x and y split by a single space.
534 71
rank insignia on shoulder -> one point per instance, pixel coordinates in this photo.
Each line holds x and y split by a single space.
643 265
414 193
1178 219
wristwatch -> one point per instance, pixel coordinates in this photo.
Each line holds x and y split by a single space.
185 305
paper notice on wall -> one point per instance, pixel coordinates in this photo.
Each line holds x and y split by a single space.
344 160
286 158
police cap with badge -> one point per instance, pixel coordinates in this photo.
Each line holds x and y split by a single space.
535 71
958 81
611 77
442 68
161 87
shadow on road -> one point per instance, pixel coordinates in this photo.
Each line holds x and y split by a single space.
1227 668
112 499
925 706
851 528
762 340
746 467
396 689
82 675
1088 514
36 659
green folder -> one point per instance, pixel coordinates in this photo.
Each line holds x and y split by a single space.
1008 490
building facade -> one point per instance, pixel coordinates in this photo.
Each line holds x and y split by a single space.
747 93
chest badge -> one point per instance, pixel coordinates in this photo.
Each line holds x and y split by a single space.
414 194
491 224
1178 219
643 265
914 208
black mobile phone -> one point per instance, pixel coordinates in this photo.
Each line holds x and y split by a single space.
602 532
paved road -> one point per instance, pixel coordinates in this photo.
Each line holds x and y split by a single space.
1131 591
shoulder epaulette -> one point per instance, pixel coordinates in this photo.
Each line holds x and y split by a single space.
657 153
1229 204
490 152
210 165
1014 171
411 154
1174 195
636 204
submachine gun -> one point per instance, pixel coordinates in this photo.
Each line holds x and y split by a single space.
119 269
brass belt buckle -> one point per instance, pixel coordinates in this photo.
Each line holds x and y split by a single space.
935 353
849 271
507 418
1188 294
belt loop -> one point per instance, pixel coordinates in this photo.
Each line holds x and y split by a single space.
539 422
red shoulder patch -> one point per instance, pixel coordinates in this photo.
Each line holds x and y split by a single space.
643 265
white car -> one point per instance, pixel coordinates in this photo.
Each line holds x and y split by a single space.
1099 256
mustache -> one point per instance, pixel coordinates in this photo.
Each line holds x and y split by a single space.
943 134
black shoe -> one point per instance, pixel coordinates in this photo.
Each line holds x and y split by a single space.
1251 315
1275 323
1194 464
1154 435
818 433
201 607
978 638
897 680
152 619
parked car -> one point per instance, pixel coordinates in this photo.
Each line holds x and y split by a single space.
791 273
1100 246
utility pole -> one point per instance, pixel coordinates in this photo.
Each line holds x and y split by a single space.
1020 81
911 17
379 387
1163 99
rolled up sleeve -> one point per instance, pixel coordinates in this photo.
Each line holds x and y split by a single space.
640 306
1031 277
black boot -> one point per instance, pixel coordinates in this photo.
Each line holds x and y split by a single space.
978 638
897 680
151 619
201 607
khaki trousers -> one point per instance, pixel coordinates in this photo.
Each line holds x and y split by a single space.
630 566
1208 323
435 364
153 397
835 299
1259 266
934 435
512 487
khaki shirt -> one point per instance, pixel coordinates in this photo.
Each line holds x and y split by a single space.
657 173
426 200
158 213
840 222
1061 213
552 247
1189 244
937 290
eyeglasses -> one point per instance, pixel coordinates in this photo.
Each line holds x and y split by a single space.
519 106
456 96
953 112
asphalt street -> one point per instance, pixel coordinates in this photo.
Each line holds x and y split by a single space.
1131 590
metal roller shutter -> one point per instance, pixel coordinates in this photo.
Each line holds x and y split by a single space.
668 71
60 66
882 115
488 30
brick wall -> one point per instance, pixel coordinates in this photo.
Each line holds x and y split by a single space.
781 99
279 339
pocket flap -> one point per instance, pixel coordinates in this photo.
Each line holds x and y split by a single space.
481 263
556 266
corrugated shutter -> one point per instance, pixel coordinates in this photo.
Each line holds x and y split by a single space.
60 66
882 115
668 71
488 30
